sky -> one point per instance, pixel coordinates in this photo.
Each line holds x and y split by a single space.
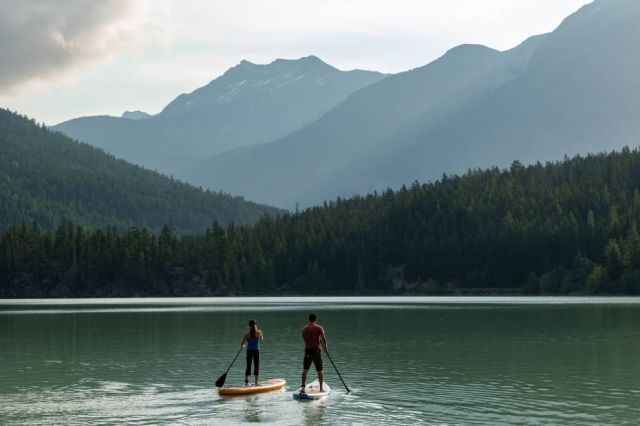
61 59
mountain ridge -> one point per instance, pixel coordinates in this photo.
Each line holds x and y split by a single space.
572 91
276 98
378 113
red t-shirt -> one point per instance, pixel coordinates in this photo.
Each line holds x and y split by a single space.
311 334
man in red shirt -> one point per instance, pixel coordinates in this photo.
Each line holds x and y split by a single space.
313 335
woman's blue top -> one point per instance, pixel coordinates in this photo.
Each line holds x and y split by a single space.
253 343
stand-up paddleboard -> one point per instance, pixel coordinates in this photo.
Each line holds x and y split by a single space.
267 386
312 391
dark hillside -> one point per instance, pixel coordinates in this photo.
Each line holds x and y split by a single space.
46 178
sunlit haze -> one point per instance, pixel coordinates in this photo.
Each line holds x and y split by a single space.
106 57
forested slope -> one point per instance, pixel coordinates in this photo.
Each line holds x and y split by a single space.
568 227
46 178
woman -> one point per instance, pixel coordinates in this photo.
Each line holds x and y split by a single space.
252 338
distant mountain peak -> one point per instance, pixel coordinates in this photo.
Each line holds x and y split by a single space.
248 104
308 61
135 115
466 50
247 79
311 59
600 12
463 55
244 64
599 4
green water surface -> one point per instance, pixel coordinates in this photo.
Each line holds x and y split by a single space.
407 360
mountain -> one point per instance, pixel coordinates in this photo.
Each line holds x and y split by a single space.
367 120
135 115
574 90
249 104
45 177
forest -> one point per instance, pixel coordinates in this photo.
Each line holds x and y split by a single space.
568 227
48 178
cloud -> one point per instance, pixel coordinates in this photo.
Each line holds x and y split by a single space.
41 38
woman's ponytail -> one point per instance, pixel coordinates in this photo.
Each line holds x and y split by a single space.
253 328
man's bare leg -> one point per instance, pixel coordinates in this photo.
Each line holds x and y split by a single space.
304 379
321 379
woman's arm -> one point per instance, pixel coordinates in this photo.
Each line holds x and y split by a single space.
260 335
244 339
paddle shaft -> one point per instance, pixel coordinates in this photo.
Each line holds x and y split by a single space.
234 360
336 368
223 378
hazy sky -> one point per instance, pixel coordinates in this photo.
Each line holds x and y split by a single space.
65 58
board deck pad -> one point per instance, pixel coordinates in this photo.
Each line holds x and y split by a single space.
266 386
312 391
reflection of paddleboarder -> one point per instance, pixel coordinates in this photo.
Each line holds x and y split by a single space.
252 338
313 335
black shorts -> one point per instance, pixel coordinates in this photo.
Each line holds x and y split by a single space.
312 355
253 355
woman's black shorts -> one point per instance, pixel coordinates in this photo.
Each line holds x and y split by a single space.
254 355
312 355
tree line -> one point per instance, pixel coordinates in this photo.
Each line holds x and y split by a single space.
568 227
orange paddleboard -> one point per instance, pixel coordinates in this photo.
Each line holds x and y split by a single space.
267 386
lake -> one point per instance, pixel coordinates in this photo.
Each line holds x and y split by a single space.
430 360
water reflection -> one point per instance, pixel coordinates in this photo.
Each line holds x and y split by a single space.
252 409
314 412
486 364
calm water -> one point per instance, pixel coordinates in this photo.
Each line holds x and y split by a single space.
408 360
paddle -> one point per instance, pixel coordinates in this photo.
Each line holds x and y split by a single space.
336 368
221 379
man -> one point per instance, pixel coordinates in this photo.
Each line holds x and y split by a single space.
313 335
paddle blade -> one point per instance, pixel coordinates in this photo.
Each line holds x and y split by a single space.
221 380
